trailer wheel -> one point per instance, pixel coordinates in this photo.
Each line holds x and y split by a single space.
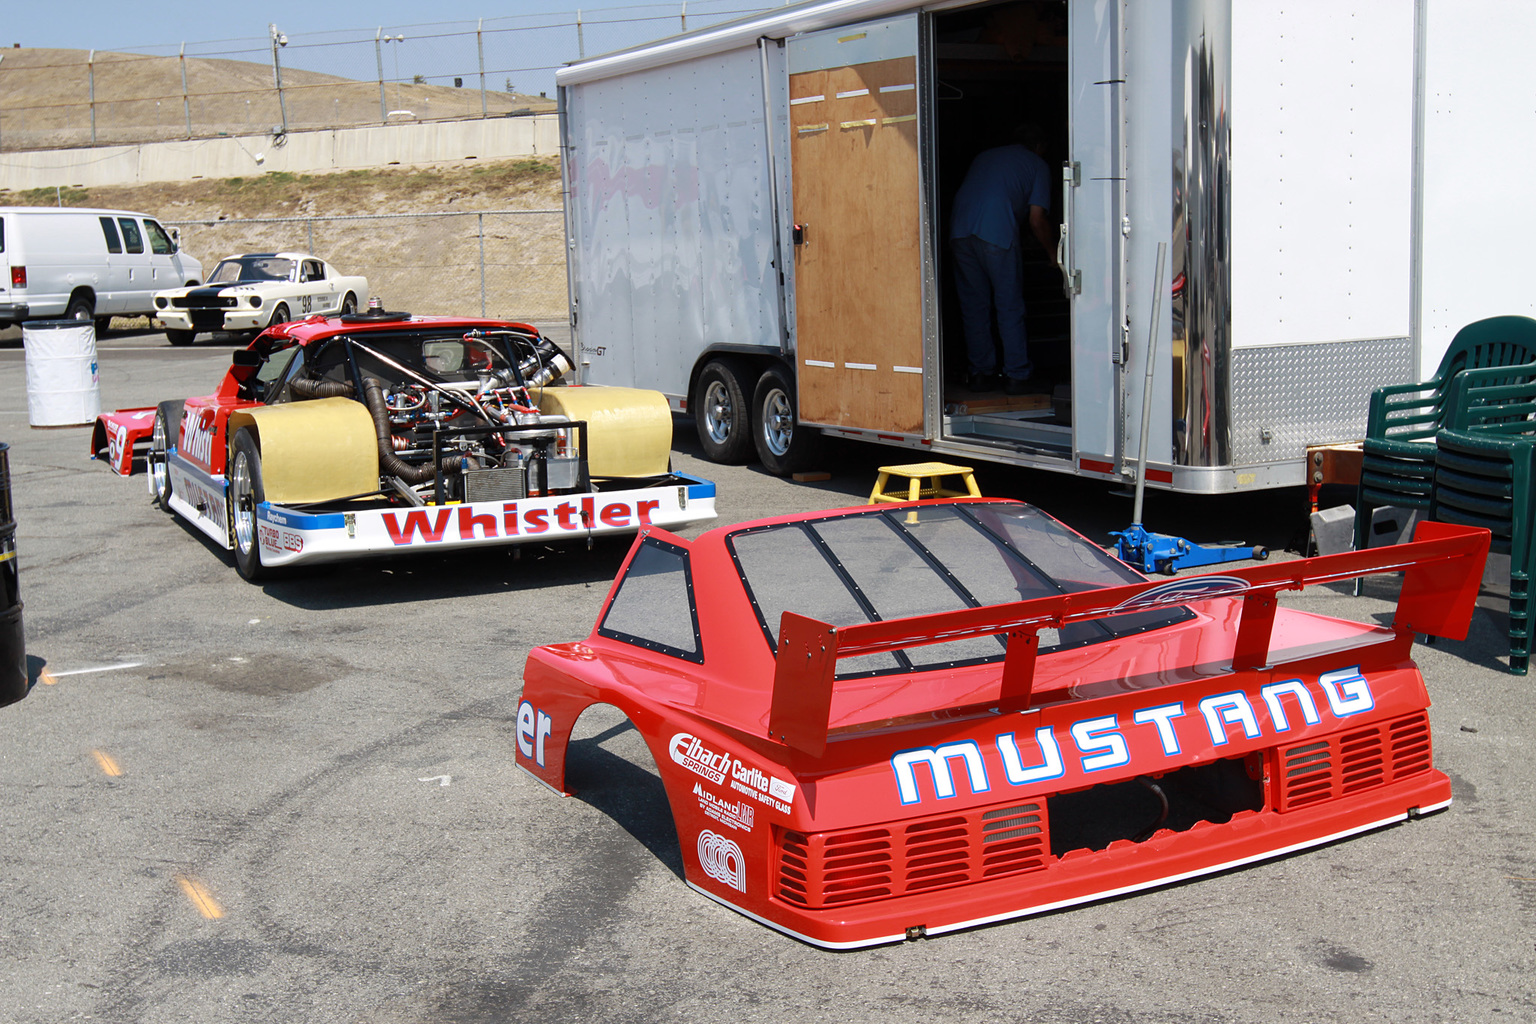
245 494
721 413
783 446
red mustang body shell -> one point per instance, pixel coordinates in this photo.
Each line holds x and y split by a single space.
850 812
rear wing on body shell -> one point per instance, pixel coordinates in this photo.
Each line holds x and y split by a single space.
1442 567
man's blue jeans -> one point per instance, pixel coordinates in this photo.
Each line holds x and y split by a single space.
990 281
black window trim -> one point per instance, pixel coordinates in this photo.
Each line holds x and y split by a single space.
696 657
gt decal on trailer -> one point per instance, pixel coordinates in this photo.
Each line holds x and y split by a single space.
1101 741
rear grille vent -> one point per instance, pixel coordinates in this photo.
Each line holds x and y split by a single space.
1354 761
840 868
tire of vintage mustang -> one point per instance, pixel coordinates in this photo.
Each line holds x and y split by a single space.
180 338
279 315
167 426
348 305
720 411
783 446
245 493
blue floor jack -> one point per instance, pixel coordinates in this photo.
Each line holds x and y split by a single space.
1158 552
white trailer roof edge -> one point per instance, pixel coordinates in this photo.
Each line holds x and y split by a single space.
777 24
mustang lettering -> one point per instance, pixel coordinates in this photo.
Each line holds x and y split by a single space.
1103 744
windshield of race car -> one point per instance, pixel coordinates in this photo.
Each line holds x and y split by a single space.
456 357
880 565
251 268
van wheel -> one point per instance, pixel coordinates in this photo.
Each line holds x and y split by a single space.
245 494
720 411
180 337
81 307
783 446
279 315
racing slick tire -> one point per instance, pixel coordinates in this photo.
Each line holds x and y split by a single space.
245 494
279 315
783 446
180 338
167 425
348 305
720 411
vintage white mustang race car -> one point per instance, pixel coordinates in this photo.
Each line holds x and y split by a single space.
379 433
255 291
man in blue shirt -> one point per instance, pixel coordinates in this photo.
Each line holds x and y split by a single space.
1005 188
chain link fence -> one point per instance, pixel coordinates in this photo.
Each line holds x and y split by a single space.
495 67
506 264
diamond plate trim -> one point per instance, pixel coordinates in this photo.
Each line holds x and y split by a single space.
1308 394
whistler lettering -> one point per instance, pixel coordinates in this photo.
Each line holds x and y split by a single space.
478 522
197 432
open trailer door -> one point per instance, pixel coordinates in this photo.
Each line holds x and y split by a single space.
853 119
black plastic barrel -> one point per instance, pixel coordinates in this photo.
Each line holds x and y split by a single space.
13 648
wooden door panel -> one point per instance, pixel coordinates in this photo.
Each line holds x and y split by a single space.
858 272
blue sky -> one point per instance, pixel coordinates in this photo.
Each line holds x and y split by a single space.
112 24
523 42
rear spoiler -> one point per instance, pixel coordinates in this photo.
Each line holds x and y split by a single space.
1442 567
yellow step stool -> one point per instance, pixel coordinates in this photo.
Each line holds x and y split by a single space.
924 480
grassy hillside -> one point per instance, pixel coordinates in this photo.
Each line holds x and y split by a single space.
45 99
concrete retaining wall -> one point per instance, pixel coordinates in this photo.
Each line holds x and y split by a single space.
342 149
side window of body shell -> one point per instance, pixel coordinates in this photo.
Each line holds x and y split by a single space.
654 605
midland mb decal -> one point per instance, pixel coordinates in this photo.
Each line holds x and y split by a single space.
1100 743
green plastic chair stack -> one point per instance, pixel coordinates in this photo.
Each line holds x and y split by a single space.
1485 468
1398 464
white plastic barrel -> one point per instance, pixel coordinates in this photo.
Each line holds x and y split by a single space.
62 386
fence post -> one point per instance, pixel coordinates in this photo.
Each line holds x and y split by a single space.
480 217
186 103
278 39
685 15
90 76
581 47
309 224
480 48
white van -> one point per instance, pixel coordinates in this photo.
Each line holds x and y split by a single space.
86 264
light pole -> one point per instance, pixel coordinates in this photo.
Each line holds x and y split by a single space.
279 40
379 38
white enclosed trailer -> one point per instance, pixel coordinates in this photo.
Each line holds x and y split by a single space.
756 216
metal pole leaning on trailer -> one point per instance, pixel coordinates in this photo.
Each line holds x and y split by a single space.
1146 387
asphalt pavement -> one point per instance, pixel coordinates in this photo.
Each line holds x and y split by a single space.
297 801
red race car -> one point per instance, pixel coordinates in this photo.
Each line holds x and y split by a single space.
379 432
879 723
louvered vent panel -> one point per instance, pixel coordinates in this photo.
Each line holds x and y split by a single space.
1354 761
857 866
